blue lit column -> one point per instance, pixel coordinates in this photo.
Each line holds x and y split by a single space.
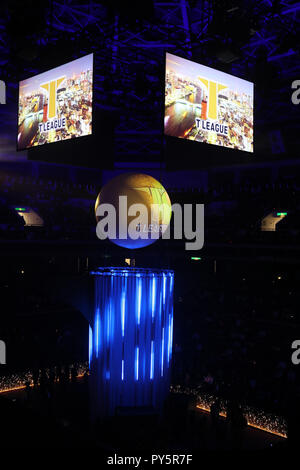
131 338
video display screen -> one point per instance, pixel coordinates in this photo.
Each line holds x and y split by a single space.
206 105
56 105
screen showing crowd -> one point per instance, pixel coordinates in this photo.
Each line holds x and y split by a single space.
206 105
56 105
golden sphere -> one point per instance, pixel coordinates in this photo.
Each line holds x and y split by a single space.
139 189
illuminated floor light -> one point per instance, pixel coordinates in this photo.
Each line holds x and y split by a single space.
249 423
256 419
17 382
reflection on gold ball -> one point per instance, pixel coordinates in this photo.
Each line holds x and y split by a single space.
139 189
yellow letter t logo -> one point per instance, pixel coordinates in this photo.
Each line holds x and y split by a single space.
213 89
51 88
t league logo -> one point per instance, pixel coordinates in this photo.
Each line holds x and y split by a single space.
51 88
213 89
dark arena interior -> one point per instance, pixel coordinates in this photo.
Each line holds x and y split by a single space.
160 352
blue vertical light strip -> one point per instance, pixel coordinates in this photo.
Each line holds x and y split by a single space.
162 352
97 331
170 337
122 372
123 315
138 319
137 353
90 345
123 305
171 342
111 306
139 301
163 330
170 334
153 296
108 320
152 361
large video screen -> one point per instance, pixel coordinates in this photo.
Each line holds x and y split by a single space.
206 105
56 105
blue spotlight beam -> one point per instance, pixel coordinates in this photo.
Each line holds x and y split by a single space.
130 343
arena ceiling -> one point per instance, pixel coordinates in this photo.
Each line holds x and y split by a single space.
257 41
